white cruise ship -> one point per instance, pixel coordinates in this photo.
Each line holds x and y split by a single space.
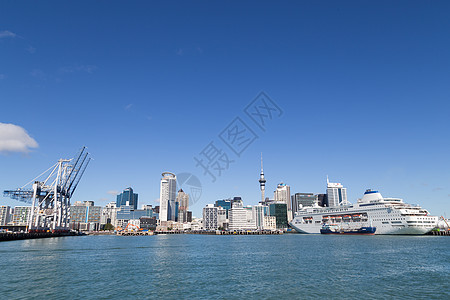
388 215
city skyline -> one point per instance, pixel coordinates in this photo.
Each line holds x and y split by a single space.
217 149
147 86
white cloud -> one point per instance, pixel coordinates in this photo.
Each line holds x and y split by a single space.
7 33
2 76
113 192
14 138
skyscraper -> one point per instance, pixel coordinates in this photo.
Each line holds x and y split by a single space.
167 197
283 194
258 216
183 199
127 198
279 211
183 206
336 194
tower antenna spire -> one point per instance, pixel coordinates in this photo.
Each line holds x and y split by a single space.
261 163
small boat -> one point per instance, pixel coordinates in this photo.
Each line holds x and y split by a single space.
336 229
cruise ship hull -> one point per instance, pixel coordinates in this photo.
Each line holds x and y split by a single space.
388 215
311 229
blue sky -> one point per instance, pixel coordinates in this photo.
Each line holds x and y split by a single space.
146 86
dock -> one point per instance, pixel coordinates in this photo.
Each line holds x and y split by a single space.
11 236
440 232
217 232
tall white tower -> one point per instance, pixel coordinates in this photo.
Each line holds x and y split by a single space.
262 182
336 194
167 196
283 194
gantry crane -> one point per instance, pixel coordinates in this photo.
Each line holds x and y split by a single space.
50 198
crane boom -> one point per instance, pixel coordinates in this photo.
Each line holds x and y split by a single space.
50 196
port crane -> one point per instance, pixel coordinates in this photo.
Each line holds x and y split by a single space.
49 193
445 221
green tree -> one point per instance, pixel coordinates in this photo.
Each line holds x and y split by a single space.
108 227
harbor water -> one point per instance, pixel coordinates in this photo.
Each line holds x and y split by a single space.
289 266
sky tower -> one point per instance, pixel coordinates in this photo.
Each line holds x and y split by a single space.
262 182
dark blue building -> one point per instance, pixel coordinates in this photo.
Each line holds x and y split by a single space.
172 211
127 195
279 210
225 204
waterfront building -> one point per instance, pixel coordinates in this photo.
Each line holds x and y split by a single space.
79 212
167 197
185 216
336 194
5 212
148 223
169 225
300 200
121 224
127 197
210 217
258 216
85 216
222 220
21 215
225 204
270 223
283 194
197 224
241 218
279 211
109 214
249 214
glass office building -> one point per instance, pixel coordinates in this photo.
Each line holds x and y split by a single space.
127 196
225 204
279 211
